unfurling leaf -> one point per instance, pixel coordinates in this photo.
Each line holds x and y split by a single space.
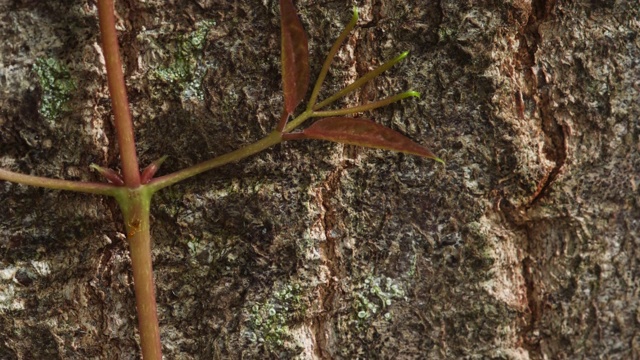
148 173
330 56
366 107
362 132
361 81
109 174
295 57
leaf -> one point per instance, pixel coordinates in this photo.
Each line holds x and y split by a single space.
363 132
148 172
295 56
108 174
332 53
361 81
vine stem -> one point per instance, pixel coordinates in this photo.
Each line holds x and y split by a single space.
135 202
135 205
118 91
143 283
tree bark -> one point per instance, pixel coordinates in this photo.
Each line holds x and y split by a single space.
524 246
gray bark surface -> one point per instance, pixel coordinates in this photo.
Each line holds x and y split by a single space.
524 246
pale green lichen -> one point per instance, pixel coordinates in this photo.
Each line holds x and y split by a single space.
187 68
195 247
374 296
56 84
268 321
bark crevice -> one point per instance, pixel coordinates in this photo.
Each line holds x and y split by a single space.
331 259
554 149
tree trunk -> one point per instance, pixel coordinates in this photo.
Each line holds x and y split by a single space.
525 245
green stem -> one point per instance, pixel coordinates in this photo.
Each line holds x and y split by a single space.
273 138
298 121
330 56
118 91
135 206
56 184
361 81
366 107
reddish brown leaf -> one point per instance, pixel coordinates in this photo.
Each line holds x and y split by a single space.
295 56
109 174
365 133
148 172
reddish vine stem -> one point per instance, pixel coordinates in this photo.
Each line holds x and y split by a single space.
118 91
135 203
135 207
143 284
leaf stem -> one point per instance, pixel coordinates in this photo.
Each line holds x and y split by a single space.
330 56
366 107
361 81
57 184
273 138
118 91
298 121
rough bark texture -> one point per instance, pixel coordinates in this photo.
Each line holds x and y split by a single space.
525 245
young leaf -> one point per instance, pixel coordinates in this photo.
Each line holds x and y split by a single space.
150 171
361 81
362 132
109 174
366 107
330 56
295 57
